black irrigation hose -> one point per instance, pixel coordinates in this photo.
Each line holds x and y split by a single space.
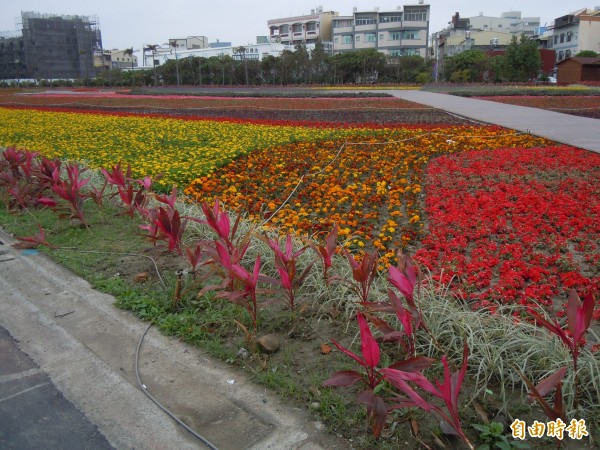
151 397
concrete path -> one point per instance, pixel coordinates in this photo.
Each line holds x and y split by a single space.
81 344
579 132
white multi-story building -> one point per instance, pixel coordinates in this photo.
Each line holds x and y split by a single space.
574 32
304 29
247 52
395 33
508 22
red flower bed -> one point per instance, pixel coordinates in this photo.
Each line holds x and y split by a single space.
514 225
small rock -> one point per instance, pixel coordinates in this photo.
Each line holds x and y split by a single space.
243 353
315 405
269 343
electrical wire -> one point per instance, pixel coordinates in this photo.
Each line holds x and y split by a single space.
163 408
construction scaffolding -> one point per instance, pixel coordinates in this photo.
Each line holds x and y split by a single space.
52 47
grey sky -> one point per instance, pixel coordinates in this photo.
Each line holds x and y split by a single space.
134 23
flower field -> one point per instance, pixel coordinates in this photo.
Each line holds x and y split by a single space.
514 226
372 188
584 106
510 218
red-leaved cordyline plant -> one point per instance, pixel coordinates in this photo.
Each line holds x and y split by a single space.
247 297
21 179
166 225
33 241
19 162
447 390
372 377
223 261
285 263
70 190
327 251
404 278
133 197
219 222
579 319
538 393
363 274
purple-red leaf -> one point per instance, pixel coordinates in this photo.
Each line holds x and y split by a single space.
416 364
376 410
343 378
369 347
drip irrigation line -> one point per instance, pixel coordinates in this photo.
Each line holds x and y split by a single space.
162 407
121 254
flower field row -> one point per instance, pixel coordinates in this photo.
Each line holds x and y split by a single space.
327 111
205 102
181 150
372 188
585 106
513 225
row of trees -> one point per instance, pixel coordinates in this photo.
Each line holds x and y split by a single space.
520 62
301 66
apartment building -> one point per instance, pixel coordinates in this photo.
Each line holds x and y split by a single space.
305 29
575 32
401 32
508 22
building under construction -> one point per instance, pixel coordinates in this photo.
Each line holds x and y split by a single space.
51 47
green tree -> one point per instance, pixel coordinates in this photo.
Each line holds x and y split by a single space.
587 54
470 65
241 52
405 69
522 59
319 63
268 67
302 64
129 52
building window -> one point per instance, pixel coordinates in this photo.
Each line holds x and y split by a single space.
415 15
390 19
555 39
371 37
567 54
395 36
562 37
335 40
365 22
357 38
347 39
343 23
569 36
395 53
561 55
411 34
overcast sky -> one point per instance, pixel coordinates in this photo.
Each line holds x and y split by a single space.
134 23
